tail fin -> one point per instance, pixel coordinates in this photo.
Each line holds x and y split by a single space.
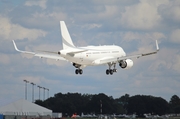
66 38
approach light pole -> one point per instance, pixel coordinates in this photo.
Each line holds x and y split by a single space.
26 88
33 91
39 91
47 93
44 92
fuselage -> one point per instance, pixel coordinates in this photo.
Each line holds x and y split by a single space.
94 53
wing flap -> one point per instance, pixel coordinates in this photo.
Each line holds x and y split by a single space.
49 56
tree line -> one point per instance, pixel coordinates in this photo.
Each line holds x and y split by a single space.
71 103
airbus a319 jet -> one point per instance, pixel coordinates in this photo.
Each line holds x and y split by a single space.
80 57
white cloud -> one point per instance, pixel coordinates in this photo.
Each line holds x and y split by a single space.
57 63
106 2
9 31
175 36
40 3
36 80
170 62
46 20
171 10
92 26
109 12
145 41
100 14
54 15
176 63
4 59
143 15
129 36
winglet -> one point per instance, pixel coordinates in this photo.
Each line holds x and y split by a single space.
15 46
157 46
21 50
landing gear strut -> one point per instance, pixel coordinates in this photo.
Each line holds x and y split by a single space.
78 70
111 71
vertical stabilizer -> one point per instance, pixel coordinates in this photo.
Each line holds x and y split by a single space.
66 38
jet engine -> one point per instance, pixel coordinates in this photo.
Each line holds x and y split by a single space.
126 64
76 65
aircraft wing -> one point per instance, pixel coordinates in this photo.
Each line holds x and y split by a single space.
117 59
47 54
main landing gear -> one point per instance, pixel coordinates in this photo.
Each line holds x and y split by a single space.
78 71
111 71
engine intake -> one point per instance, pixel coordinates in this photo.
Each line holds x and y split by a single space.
126 64
76 65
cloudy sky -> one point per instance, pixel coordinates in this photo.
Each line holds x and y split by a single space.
132 24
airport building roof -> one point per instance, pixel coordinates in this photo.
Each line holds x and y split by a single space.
23 107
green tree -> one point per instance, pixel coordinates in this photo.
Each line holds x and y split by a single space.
123 101
141 104
77 103
94 106
175 104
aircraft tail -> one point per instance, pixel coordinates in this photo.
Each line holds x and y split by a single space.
66 38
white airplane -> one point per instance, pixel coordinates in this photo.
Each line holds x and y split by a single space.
81 57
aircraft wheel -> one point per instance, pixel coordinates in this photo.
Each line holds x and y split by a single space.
111 71
76 71
80 71
107 71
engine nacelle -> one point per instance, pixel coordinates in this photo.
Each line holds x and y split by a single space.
126 64
76 65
